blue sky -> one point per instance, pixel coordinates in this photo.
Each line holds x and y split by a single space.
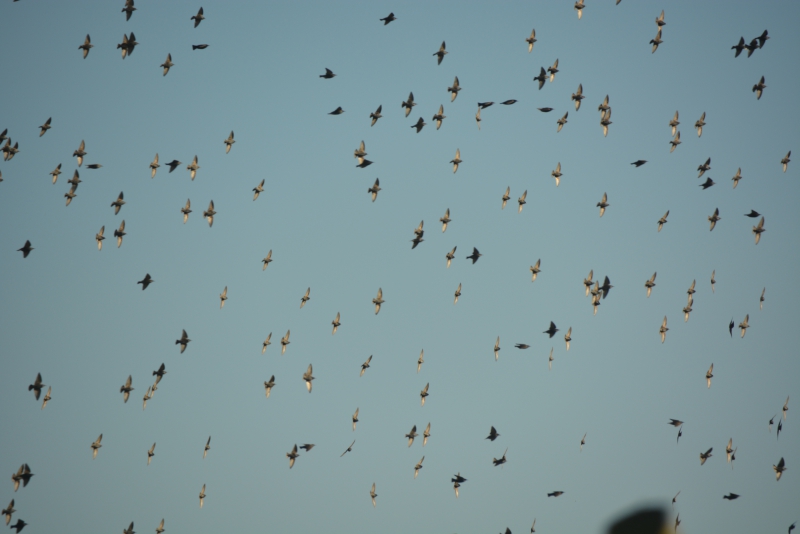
77 316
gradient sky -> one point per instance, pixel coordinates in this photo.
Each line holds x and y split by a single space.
77 316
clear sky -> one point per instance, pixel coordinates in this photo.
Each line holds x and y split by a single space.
77 316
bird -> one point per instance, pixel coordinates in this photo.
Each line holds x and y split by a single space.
705 456
96 446
663 329
557 173
308 446
737 177
439 117
389 18
729 450
509 102
229 142
117 204
202 491
257 190
307 376
173 164
478 118
530 40
160 372
285 341
154 167
708 183
456 160
454 89
562 121
709 376
731 326
758 88
355 419
128 45
763 38
522 346
55 173
605 121
183 341
80 153
126 388
419 124
656 41
19 525
551 330
541 79
440 54
687 310
603 107
411 435
456 485
713 219
47 397
752 47
87 44
583 442
9 511
497 348
46 126
151 453
785 161
700 123
426 434
292 456
780 427
791 527
744 324
606 287
186 210
266 343
408 104
160 528
650 284
450 255
739 47
675 422
502 459
555 494
418 467
374 189
779 469
587 282
475 255
714 272
674 123
550 360
677 523
785 408
568 337
457 294
223 297
423 394
675 142
269 385
207 447
663 220
578 96
167 64
376 115
759 229
197 19
506 198
305 298
579 5
378 300
372 494
192 167
521 200
337 111
533 527
360 152
336 323
603 204
209 214
37 386
348 449
199 47
146 281
484 105
771 422
328 74
553 70
365 365
535 270
704 167
730 496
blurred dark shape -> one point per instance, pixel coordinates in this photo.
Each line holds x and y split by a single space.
643 521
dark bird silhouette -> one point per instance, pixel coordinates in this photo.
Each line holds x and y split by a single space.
708 183
763 38
753 214
639 162
484 105
46 126
389 18
19 525
508 102
173 165
730 496
37 386
198 18
337 111
541 77
308 446
555 494
440 53
128 10
348 449
551 330
146 281
26 249
475 255
545 110
328 74
87 44
675 422
739 47
502 460
199 47
522 346
420 123
493 435
780 427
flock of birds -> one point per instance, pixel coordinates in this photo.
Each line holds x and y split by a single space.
594 287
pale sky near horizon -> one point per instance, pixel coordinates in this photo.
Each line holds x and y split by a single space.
77 316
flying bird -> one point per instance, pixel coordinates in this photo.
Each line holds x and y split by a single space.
497 348
714 272
202 491
126 388
535 270
478 118
562 121
285 341
521 200
154 167
305 298
96 446
19 525
173 164
269 385
737 177
708 183
167 64
457 294
257 190
700 123
378 300
521 346
307 376
418 467
530 40
785 161
705 456
475 254
37 386
455 161
785 408
578 96
704 167
553 70
555 494
267 260
603 204
731 496
355 419
709 376
759 229
336 322
605 121
779 469
423 394
656 41
328 74
376 115
117 204
197 19
506 198
47 397
663 329
450 255
348 449
87 44
663 220
713 220
758 88
387 19
557 174
583 442
374 189
192 167
365 365
9 511
426 434
207 447
183 341
151 453
675 142
373 494
419 124
579 5
146 281
674 123
408 104
739 47
541 79
440 54
56 172
186 210
229 143
568 337
223 297
502 459
44 127
411 435
744 324
209 214
337 111
454 89
551 330
199 47
80 153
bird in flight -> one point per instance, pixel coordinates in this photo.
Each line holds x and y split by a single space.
328 74
348 449
551 330
387 19
197 19
440 54
308 377
475 255
705 456
502 459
